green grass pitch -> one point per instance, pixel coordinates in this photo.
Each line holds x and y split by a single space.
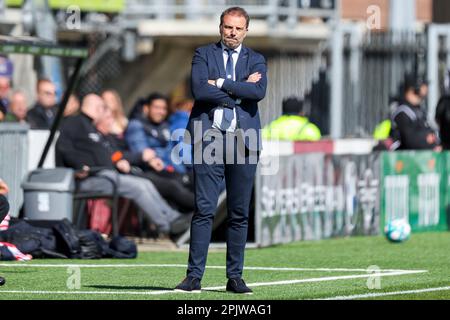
304 270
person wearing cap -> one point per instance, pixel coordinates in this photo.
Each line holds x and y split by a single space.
410 128
293 125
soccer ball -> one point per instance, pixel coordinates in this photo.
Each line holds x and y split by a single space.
397 230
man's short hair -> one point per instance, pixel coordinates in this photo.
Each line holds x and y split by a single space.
41 81
235 11
155 96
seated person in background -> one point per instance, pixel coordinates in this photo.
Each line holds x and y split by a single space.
173 190
293 125
43 113
114 103
18 108
178 120
81 147
152 130
180 115
410 128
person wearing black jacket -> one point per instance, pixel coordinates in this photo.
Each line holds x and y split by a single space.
147 165
80 146
42 115
410 128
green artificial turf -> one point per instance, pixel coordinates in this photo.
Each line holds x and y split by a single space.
426 251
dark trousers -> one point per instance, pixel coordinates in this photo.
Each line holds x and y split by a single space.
208 180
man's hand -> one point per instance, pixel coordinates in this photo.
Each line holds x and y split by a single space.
83 173
157 164
213 82
254 77
3 187
123 166
148 154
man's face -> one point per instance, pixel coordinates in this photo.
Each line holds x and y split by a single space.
105 122
5 86
157 111
110 100
99 109
412 97
233 30
47 94
19 106
424 90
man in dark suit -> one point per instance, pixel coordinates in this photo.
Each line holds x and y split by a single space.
43 113
228 79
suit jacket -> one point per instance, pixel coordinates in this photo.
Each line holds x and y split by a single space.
208 64
38 119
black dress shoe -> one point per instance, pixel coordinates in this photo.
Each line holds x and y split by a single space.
238 285
2 281
189 285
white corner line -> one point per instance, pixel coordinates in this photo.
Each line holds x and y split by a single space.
383 294
321 279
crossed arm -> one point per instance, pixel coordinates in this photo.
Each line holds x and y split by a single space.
205 89
254 88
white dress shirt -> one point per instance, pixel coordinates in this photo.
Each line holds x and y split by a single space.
218 113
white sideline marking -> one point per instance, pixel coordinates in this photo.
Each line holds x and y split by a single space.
285 282
36 265
256 284
381 294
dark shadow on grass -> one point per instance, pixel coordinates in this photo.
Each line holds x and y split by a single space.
129 287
